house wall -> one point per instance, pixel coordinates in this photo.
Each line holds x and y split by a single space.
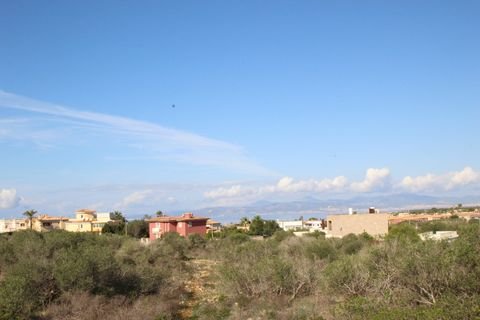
84 216
198 227
290 225
11 225
78 226
98 226
47 225
104 216
182 228
157 229
314 225
153 229
341 225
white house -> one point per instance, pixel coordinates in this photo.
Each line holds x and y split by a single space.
313 225
288 225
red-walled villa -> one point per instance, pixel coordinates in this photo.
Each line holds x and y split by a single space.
185 225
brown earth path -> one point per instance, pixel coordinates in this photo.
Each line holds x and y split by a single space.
200 286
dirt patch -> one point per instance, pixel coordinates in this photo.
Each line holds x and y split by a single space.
200 286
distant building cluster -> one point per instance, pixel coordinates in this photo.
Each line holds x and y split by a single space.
85 220
373 222
336 226
404 217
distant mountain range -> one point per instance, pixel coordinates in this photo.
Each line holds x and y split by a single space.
319 208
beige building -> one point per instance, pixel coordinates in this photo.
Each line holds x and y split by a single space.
78 226
340 225
82 222
11 225
87 220
213 226
44 223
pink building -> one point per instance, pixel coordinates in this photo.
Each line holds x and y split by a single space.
185 225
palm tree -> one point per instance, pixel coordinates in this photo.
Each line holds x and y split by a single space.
30 214
244 221
118 216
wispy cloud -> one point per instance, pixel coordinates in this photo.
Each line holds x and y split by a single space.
157 142
136 197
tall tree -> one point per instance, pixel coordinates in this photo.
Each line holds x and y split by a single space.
29 214
159 213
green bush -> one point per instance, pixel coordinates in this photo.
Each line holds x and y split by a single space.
321 249
282 277
36 269
402 232
26 288
196 241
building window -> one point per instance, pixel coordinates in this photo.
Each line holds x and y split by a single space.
190 224
330 225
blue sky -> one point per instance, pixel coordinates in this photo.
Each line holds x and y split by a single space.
273 100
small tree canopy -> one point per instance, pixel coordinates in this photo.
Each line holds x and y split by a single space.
118 216
260 227
138 229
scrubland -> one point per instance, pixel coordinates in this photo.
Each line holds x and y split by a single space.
60 275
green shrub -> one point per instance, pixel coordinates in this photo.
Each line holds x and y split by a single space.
27 287
321 249
402 232
196 241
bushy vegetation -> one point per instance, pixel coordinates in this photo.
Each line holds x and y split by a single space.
61 275
261 227
41 272
357 277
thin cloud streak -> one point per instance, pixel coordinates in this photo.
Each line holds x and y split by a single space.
167 143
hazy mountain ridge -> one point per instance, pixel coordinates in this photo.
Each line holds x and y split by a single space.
313 207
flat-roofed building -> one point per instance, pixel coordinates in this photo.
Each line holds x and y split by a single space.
289 225
340 225
11 225
314 225
104 216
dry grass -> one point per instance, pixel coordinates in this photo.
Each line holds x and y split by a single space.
84 306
